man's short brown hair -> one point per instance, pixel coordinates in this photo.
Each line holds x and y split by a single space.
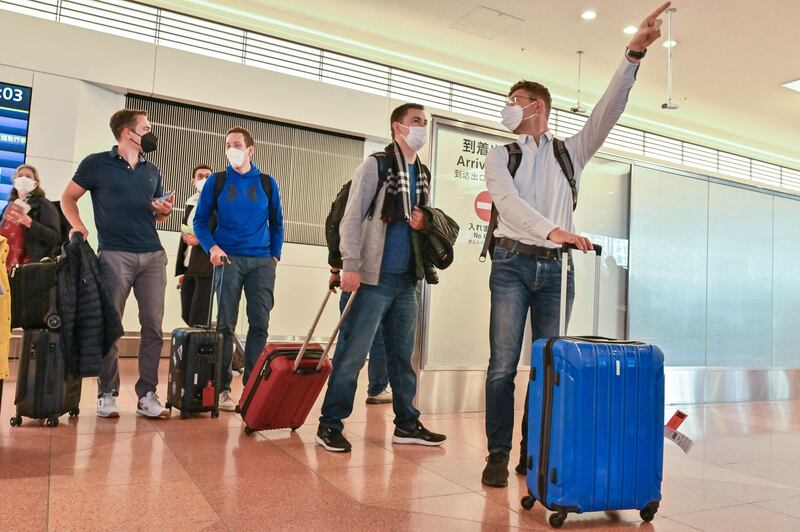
536 90
201 167
125 118
248 138
400 113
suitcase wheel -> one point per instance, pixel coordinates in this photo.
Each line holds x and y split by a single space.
237 409
557 520
215 413
294 429
52 422
184 414
16 421
248 431
647 515
528 502
75 412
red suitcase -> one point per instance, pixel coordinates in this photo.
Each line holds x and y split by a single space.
287 380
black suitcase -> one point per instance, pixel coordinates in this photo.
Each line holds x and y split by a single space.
45 390
195 366
34 296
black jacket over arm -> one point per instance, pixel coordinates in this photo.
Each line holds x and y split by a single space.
90 324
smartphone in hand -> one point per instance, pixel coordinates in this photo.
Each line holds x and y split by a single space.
166 196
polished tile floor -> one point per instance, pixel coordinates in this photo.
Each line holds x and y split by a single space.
203 474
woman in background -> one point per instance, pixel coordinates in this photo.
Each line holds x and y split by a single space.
31 223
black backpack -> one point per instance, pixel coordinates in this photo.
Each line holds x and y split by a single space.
514 161
338 206
266 184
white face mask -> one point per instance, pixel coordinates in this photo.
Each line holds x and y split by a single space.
199 185
236 157
24 185
417 137
512 116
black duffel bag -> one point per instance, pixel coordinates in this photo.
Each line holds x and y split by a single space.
34 296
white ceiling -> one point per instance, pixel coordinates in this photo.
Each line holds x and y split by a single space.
729 65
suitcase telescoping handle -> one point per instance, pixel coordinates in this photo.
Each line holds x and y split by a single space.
335 333
562 319
215 287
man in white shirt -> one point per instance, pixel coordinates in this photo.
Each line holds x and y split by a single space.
535 218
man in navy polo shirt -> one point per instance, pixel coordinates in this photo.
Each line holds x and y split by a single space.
125 188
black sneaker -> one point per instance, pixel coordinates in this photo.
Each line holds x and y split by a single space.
418 436
333 440
522 466
495 473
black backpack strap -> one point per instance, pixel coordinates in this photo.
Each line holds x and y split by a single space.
383 173
514 158
565 162
514 161
266 184
219 186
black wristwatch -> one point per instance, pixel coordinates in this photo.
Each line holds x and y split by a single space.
634 54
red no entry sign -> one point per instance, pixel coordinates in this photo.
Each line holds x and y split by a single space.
483 206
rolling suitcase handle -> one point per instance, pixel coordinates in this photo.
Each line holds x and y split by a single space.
562 321
218 291
335 333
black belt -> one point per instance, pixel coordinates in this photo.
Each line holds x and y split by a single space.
529 249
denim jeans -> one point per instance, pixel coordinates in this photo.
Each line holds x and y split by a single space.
256 275
393 304
377 368
518 283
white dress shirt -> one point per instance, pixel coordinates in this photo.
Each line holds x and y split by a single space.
539 199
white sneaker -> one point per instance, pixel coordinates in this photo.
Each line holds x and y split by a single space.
382 398
150 406
226 402
107 406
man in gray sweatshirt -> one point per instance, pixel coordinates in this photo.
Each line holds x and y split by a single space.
378 271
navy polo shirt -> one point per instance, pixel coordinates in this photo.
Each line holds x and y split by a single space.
122 197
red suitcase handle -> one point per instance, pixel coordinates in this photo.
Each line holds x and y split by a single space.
335 333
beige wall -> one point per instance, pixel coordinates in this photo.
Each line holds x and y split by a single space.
79 77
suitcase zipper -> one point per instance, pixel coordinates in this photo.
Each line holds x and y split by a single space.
40 366
547 418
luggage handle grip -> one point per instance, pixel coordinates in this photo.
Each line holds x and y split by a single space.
597 248
302 351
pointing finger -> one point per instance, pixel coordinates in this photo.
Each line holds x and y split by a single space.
655 14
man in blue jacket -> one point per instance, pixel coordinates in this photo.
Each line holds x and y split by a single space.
248 238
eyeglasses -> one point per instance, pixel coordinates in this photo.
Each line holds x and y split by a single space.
513 100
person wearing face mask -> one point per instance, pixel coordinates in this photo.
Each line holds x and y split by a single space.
378 257
193 268
247 238
31 223
535 207
126 189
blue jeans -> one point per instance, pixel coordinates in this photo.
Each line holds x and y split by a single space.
256 276
518 283
377 367
392 303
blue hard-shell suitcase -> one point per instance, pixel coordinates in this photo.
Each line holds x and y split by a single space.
596 424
